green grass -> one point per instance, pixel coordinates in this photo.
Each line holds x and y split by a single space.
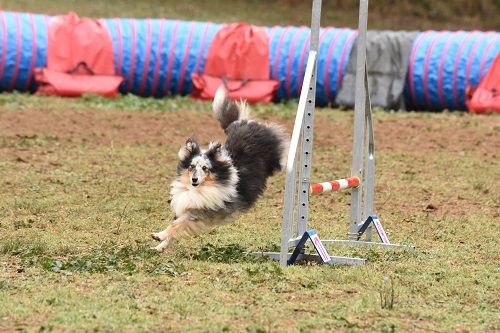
75 219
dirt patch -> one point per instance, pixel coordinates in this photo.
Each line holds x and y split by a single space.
419 133
414 133
104 127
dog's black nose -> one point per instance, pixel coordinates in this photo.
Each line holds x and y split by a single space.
194 180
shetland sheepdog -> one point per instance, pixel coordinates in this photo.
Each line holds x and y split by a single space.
214 183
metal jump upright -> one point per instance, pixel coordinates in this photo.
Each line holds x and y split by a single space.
362 179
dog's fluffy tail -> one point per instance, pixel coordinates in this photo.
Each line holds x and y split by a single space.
226 110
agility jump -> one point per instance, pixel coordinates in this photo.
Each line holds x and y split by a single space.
335 185
298 186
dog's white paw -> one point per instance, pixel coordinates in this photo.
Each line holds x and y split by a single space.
163 246
159 236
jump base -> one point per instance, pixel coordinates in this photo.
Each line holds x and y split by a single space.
314 257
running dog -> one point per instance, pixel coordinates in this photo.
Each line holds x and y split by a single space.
214 183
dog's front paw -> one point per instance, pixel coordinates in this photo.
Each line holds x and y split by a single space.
163 246
159 236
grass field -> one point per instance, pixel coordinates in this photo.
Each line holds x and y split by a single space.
85 181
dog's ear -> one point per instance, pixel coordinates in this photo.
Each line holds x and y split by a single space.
214 150
191 147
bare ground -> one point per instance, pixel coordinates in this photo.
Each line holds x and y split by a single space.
420 134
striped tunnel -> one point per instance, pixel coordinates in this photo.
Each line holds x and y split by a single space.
334 185
289 47
158 56
23 47
443 64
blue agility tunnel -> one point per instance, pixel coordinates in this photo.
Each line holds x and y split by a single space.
289 47
23 47
443 63
157 58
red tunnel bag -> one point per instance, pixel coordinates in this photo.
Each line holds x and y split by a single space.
238 58
79 59
486 97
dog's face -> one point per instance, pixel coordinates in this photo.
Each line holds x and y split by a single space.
195 166
199 170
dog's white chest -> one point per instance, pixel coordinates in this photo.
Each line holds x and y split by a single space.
214 197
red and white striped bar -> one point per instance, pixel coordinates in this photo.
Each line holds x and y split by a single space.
335 185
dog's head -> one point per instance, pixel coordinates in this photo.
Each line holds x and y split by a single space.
197 167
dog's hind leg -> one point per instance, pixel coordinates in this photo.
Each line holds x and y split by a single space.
184 226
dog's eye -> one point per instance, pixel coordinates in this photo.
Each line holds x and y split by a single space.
204 168
191 167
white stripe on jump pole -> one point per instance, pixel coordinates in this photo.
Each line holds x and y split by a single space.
327 186
343 183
